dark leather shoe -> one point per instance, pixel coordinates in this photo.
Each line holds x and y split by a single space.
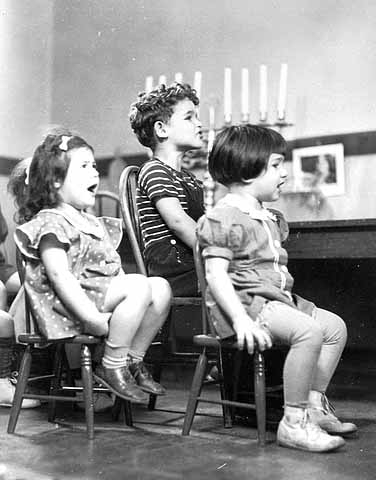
121 383
144 379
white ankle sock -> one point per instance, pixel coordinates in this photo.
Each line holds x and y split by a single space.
315 399
294 414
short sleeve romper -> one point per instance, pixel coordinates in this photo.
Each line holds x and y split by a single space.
92 259
252 243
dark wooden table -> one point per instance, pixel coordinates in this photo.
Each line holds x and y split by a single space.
334 265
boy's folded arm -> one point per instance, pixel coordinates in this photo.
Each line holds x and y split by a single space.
179 222
68 288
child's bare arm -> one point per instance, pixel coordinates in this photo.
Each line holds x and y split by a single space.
181 224
246 329
68 288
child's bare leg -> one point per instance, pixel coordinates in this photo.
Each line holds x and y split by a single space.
128 297
154 318
335 336
155 315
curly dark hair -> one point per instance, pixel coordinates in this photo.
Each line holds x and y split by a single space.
34 187
155 106
242 152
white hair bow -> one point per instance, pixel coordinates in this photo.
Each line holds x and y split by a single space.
64 143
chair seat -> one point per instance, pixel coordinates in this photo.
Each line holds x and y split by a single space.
186 301
212 341
31 338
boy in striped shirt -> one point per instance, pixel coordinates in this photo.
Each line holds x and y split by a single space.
169 198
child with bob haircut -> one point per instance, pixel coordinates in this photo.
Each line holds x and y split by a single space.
250 288
169 198
73 273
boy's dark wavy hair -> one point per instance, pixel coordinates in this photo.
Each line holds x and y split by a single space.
37 188
155 106
241 152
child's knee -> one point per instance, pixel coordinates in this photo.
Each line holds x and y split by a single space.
310 335
140 285
161 291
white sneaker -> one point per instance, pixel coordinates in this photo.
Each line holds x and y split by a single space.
305 435
324 417
7 389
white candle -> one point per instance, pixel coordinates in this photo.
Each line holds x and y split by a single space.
178 77
211 117
263 93
162 80
148 84
245 95
282 95
227 96
197 83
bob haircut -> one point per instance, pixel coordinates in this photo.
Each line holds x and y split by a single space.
157 105
241 152
48 169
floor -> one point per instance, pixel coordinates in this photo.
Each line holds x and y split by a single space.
155 449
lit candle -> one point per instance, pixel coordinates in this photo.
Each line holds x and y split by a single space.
227 96
282 96
263 93
211 133
162 80
148 84
178 77
245 95
197 83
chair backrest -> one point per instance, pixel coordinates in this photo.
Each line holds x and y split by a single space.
106 201
127 194
31 325
200 271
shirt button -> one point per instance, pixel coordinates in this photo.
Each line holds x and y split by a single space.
173 242
277 243
284 268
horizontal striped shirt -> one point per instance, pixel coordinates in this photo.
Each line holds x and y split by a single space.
157 180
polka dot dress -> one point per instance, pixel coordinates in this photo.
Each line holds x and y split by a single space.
92 258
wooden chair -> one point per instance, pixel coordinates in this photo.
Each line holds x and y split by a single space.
229 379
61 386
107 203
127 192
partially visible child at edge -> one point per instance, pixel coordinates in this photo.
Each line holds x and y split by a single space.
9 280
249 285
73 274
169 198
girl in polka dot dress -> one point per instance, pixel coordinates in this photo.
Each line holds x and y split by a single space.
73 273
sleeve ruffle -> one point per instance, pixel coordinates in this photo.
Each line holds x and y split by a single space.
29 235
220 235
114 228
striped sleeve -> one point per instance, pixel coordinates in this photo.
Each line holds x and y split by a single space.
157 182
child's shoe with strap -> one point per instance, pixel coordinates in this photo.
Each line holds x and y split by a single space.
305 435
323 416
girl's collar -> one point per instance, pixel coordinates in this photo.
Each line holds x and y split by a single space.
83 221
245 206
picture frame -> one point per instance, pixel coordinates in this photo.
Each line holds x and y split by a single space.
319 168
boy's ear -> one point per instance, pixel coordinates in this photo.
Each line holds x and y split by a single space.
160 129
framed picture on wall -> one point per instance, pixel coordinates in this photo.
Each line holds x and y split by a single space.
320 168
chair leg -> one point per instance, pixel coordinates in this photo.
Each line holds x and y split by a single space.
124 406
87 382
198 380
157 373
23 377
225 386
260 399
56 381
